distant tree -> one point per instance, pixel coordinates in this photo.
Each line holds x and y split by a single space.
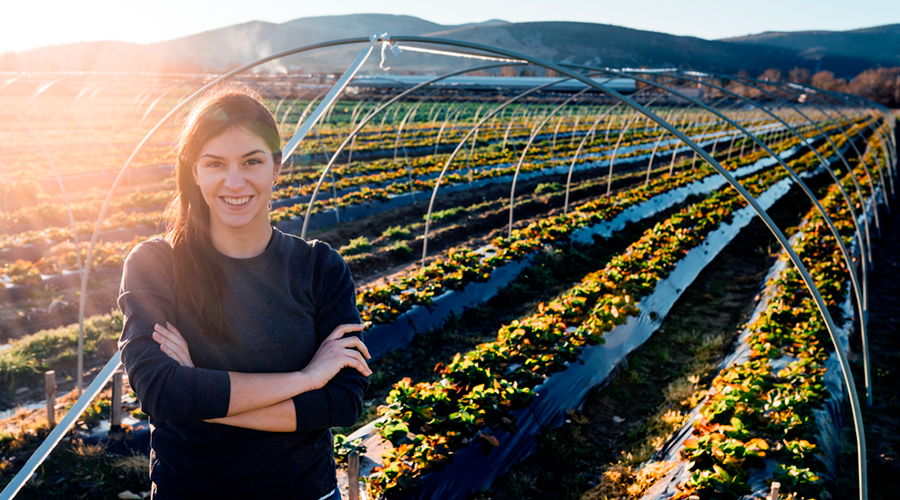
739 88
508 71
771 75
879 84
529 71
799 75
552 73
825 80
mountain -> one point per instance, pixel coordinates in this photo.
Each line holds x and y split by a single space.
845 53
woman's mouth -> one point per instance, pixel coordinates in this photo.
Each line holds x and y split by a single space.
236 202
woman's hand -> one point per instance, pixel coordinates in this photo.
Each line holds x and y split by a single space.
173 344
336 353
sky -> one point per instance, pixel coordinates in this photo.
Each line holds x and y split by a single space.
29 24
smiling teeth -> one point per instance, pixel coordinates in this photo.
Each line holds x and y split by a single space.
236 201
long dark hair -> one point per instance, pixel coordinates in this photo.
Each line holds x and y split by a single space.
201 282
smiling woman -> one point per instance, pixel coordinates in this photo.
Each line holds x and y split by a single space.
241 342
236 172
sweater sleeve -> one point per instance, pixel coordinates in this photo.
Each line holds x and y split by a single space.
340 402
166 390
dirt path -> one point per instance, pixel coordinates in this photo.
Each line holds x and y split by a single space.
882 420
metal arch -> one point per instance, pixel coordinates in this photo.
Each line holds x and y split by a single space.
808 281
846 255
625 129
534 134
412 110
512 194
889 118
161 97
837 181
302 115
858 153
628 126
40 90
12 80
447 163
734 135
365 121
878 135
865 167
881 136
868 249
584 140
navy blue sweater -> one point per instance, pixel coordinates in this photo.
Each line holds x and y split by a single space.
282 304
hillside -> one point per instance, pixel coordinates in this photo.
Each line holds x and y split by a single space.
844 53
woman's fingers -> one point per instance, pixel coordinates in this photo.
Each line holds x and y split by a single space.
357 361
173 344
173 351
353 343
340 330
172 334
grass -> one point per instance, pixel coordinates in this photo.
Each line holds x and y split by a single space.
548 187
25 362
356 246
396 233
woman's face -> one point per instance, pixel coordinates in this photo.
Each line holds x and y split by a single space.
235 172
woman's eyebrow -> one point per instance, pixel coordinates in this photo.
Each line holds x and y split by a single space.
251 153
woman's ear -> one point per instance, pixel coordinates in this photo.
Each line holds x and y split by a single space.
194 172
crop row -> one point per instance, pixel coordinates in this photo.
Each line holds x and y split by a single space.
478 390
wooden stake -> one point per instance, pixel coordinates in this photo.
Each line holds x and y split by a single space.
353 475
50 386
115 418
773 494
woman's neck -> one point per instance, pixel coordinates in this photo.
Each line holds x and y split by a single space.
241 243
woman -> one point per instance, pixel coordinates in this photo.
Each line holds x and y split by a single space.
266 356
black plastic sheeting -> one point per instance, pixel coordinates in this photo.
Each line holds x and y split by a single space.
472 469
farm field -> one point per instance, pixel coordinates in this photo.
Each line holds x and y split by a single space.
563 298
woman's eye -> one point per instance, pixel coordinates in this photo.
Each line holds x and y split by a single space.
254 161
215 164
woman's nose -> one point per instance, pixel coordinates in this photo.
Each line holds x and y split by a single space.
234 179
